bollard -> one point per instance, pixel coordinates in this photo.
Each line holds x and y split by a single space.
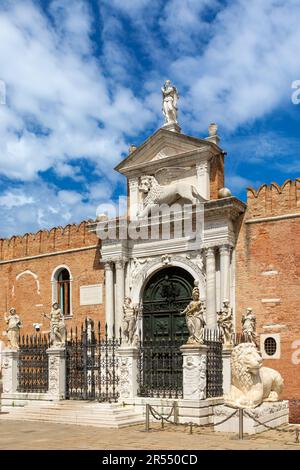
162 422
191 428
297 436
147 422
241 430
175 405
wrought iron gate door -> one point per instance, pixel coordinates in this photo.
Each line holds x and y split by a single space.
164 330
92 366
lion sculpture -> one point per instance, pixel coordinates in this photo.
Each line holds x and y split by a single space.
157 194
251 384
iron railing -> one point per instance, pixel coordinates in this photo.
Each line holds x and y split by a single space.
214 365
92 365
33 364
160 368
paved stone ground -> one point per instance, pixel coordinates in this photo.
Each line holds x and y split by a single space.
44 436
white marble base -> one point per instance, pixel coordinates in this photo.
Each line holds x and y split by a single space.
271 413
128 372
194 371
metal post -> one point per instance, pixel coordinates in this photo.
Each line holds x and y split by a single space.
241 430
175 407
191 428
147 423
162 422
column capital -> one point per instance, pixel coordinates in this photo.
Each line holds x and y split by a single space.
120 263
108 265
209 251
225 249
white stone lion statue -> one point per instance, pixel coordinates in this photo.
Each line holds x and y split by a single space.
157 194
251 384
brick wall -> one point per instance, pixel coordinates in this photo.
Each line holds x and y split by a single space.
268 275
216 175
25 274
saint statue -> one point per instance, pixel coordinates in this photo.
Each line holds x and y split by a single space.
13 328
225 323
57 326
194 313
249 326
129 323
169 105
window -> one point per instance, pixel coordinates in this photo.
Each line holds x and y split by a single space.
270 346
63 288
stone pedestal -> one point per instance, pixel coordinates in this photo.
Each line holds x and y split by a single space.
226 359
57 373
272 414
10 370
128 372
194 371
172 126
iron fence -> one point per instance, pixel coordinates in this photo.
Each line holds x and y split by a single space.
92 365
33 364
160 368
214 365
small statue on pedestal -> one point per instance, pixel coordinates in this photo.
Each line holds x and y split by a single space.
169 106
194 313
129 323
14 324
225 323
249 326
57 326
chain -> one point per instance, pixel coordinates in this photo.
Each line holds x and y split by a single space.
156 415
274 428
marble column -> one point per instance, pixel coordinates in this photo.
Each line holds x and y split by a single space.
225 272
211 318
120 293
109 297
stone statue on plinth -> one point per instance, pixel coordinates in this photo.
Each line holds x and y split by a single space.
129 323
194 314
225 323
57 326
249 326
170 97
14 324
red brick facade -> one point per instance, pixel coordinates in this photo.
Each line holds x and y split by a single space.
26 267
268 275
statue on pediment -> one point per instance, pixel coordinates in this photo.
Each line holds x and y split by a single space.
169 105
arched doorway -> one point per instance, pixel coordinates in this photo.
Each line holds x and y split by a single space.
166 294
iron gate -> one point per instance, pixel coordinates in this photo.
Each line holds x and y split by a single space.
92 365
214 365
33 364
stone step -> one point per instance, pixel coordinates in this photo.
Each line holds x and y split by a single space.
87 414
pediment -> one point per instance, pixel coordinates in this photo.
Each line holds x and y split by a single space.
162 146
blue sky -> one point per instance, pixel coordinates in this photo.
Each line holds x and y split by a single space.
82 82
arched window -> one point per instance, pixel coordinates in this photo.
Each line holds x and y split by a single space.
62 289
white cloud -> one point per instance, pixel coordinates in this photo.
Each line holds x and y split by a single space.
59 104
34 206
